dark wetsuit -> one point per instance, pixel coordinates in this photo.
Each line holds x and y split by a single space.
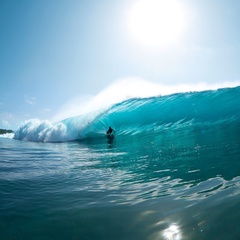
110 130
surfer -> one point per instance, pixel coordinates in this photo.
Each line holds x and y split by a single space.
110 131
110 135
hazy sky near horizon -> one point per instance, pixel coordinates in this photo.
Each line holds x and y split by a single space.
55 51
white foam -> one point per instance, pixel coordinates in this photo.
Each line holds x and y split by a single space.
7 135
44 131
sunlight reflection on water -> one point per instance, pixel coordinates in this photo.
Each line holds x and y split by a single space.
172 233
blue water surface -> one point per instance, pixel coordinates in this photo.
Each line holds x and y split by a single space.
170 173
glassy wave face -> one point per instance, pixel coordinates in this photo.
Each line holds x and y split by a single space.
184 114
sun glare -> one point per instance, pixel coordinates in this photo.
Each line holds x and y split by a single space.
156 23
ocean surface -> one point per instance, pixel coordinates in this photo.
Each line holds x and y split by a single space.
172 172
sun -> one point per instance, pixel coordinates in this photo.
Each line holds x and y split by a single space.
156 23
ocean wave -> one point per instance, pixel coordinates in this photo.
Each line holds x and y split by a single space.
175 112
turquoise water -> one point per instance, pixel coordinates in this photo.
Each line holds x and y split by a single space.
171 172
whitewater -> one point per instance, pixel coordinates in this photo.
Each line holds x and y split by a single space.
172 171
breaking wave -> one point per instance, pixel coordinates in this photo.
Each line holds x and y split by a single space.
182 112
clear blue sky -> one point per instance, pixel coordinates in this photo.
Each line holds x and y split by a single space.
52 51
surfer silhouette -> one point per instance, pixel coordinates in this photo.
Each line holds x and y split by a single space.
110 135
110 131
